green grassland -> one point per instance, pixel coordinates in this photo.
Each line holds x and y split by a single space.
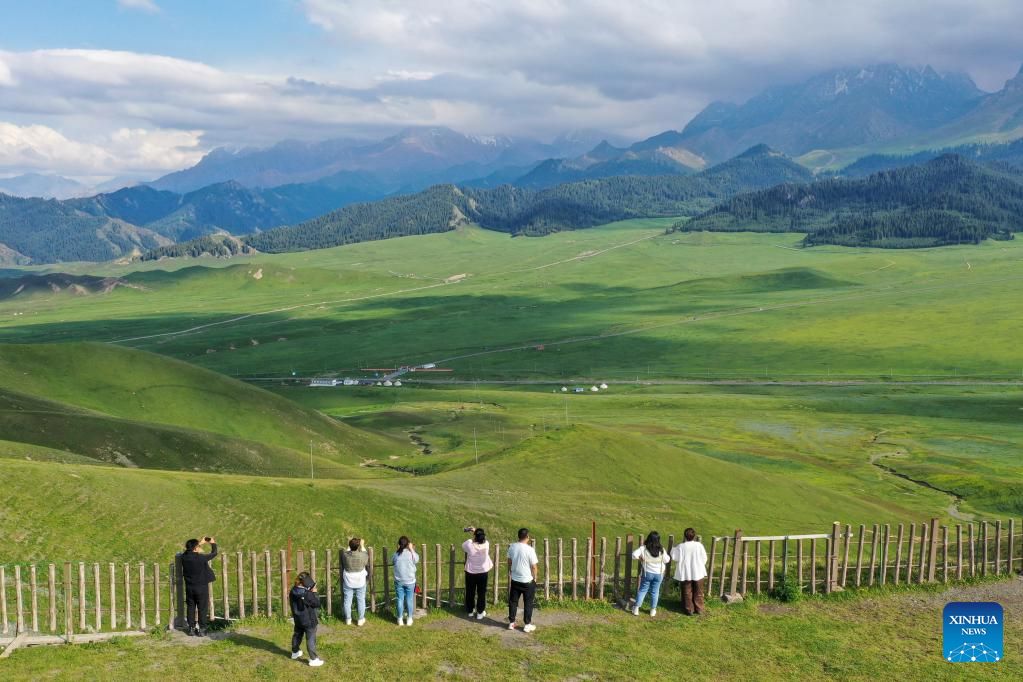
144 372
850 637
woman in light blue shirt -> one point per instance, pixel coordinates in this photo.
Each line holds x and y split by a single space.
404 562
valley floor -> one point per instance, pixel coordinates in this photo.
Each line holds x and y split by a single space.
892 635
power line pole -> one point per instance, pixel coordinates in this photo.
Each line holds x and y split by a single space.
311 461
474 446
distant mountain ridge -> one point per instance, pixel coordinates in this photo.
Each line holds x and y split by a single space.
519 210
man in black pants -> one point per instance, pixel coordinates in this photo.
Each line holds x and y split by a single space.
522 563
305 603
195 568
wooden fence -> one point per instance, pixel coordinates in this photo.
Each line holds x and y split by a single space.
69 599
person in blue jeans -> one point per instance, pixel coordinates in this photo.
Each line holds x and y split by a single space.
404 562
654 561
353 578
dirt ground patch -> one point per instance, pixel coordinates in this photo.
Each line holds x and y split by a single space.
496 624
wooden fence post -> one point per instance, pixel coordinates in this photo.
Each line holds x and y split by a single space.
440 576
745 567
328 574
224 592
933 553
497 570
944 554
156 593
1012 536
33 588
3 600
898 554
628 569
733 583
799 564
845 561
172 602
425 587
69 618
255 584
575 569
546 568
113 597
19 602
859 556
784 557
724 565
241 584
127 597
371 575
983 546
51 584
82 600
588 591
770 565
600 567
616 594
924 535
884 552
873 554
973 552
268 573
285 569
142 595
998 547
561 568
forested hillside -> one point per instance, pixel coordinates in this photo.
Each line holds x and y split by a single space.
948 200
523 211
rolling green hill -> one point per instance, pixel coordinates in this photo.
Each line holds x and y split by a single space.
137 409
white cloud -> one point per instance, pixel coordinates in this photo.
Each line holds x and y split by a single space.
144 5
125 151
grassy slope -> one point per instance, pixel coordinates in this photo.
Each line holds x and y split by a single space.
140 409
849 637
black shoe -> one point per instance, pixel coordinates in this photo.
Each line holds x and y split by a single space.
201 632
191 632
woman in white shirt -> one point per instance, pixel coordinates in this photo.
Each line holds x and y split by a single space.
654 561
477 568
690 568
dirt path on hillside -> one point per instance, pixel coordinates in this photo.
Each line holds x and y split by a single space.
875 460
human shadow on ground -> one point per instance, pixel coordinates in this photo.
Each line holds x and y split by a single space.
255 643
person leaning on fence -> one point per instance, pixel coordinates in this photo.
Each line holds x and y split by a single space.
305 602
690 559
404 562
353 578
654 560
522 562
197 574
477 568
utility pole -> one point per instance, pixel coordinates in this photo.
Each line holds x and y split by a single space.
566 409
311 460
474 446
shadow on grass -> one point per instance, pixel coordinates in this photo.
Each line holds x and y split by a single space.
257 643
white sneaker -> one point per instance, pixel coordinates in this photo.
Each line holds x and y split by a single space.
481 615
400 622
635 611
511 626
473 613
348 622
529 628
297 655
409 622
316 662
362 621
653 612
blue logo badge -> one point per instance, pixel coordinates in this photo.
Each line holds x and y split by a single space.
972 632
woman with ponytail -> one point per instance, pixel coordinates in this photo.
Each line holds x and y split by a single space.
404 562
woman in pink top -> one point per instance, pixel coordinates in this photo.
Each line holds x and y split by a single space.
477 567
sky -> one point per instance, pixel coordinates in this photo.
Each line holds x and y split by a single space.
94 89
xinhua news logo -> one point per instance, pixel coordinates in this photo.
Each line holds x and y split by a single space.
972 632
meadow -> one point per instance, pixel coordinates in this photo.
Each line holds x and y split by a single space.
807 416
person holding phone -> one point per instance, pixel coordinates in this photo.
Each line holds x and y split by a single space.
404 561
654 561
197 575
477 569
305 603
353 578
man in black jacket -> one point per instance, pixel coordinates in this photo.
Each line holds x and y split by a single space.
195 568
304 604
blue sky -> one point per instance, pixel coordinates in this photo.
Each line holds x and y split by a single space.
102 88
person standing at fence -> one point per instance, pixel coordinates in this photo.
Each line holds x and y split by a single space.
690 569
197 574
654 560
477 569
404 562
305 603
353 578
522 563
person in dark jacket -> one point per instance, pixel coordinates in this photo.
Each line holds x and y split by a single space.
304 604
195 569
